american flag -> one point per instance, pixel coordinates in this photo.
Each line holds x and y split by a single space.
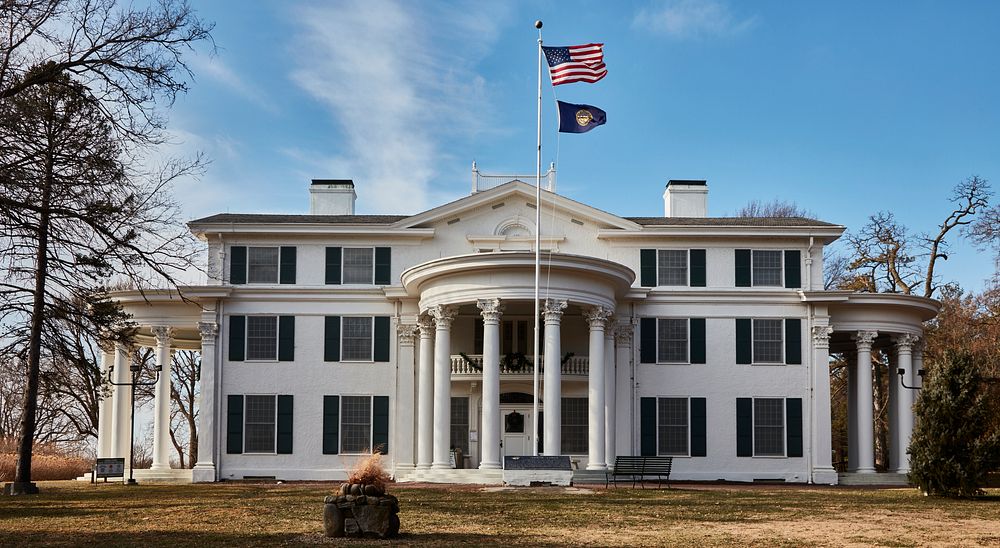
568 64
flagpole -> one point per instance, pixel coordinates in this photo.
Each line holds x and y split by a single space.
538 239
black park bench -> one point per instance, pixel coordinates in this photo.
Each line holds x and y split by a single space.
638 468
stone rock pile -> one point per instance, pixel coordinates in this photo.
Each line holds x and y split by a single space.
361 511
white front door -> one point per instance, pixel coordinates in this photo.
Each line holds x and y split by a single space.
516 427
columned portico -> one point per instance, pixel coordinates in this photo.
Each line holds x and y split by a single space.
204 470
443 316
425 394
597 318
904 400
552 431
491 309
161 411
865 402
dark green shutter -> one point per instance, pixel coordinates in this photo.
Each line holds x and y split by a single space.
699 430
744 427
286 338
793 341
287 265
381 338
742 268
234 425
647 340
744 341
697 340
333 266
237 338
380 424
793 425
331 339
383 266
331 425
238 264
698 268
647 427
793 268
647 267
286 408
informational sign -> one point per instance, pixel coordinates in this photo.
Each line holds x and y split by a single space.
110 468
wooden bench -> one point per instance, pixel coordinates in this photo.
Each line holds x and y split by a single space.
638 468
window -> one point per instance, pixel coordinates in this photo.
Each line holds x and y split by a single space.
356 424
260 417
515 337
672 267
672 339
672 426
357 339
574 425
359 265
767 268
262 265
460 424
769 427
262 337
767 341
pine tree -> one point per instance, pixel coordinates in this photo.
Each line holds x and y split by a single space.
953 445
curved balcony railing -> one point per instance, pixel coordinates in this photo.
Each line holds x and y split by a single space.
472 364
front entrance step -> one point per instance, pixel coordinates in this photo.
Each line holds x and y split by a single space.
175 475
890 479
452 475
589 476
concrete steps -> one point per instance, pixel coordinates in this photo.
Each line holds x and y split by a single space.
175 475
884 479
455 475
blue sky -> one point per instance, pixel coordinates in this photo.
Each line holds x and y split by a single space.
844 108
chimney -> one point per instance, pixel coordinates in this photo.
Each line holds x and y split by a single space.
332 197
685 198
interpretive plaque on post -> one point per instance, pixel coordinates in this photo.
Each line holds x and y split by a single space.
109 468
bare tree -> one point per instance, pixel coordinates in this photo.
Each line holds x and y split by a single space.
774 208
184 413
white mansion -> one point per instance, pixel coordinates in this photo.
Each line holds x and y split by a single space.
325 335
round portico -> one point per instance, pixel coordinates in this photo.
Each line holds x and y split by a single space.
493 283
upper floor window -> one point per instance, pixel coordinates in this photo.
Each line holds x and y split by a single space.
672 267
766 268
262 265
672 340
262 337
356 339
767 341
358 265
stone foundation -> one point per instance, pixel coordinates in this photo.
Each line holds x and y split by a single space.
361 511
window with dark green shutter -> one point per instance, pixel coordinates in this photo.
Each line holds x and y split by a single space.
743 268
744 427
744 341
793 341
286 338
383 266
286 272
380 424
793 413
699 428
238 264
647 340
234 424
698 340
647 427
331 339
698 268
237 338
333 265
286 409
647 267
381 339
331 425
793 268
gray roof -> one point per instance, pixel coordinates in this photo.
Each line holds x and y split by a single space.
729 221
249 218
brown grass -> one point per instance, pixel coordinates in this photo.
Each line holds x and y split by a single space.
369 471
45 467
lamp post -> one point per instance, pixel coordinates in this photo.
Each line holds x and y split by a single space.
135 369
902 377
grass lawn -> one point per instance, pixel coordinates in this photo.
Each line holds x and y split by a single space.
231 514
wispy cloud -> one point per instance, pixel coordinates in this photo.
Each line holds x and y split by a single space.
399 83
214 68
682 19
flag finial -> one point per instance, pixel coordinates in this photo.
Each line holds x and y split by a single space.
538 24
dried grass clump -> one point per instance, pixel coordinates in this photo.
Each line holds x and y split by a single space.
45 467
368 471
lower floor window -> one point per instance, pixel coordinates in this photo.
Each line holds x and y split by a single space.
769 427
672 426
574 425
260 424
356 424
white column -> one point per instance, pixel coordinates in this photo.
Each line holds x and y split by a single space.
105 408
425 394
490 428
852 410
597 318
822 426
609 394
904 405
204 469
552 432
893 409
623 362
443 316
866 404
122 402
403 442
161 400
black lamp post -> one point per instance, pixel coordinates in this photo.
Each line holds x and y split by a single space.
902 376
135 369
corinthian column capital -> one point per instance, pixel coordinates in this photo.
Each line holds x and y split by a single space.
407 333
553 309
491 309
597 316
443 315
864 339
